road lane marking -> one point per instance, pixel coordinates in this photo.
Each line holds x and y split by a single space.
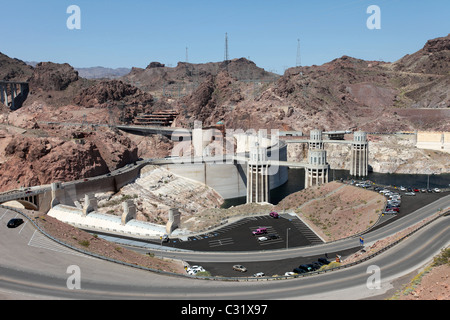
38 240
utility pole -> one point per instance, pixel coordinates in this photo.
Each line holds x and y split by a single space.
226 56
299 59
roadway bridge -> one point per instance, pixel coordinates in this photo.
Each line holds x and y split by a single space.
169 132
180 134
30 198
13 94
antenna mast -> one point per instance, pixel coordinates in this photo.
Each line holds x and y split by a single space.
299 59
226 58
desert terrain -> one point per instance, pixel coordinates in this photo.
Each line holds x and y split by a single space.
64 129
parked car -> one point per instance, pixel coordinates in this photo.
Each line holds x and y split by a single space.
272 236
416 190
305 267
259 231
436 190
261 239
298 271
274 215
290 273
196 268
316 265
192 272
240 268
14 223
402 188
258 275
410 194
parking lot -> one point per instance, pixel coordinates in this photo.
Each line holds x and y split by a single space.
249 242
409 203
287 231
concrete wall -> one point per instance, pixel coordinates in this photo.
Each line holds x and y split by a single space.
229 180
434 141
72 192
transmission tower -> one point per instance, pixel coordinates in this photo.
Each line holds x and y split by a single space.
226 57
299 58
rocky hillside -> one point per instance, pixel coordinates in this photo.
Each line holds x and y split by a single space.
156 191
185 77
344 93
106 92
432 59
102 73
29 160
14 69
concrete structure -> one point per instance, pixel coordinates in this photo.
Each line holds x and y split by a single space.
158 118
129 211
99 222
228 176
439 141
315 140
316 171
359 155
174 220
336 135
90 204
359 147
258 176
13 94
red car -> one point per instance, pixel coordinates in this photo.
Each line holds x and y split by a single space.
259 231
274 215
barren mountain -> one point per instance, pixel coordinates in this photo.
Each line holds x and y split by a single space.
433 58
185 77
346 93
102 73
14 69
31 160
111 91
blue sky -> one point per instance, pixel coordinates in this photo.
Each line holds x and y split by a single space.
136 32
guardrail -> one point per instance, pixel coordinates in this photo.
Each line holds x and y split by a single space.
235 279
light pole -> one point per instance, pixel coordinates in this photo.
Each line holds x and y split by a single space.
287 238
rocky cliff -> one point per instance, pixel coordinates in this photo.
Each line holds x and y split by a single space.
30 160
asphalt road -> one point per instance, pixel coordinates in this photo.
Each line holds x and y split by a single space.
102 280
35 267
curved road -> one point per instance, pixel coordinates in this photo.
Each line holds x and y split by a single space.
37 268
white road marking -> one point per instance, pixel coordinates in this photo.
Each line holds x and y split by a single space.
38 240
